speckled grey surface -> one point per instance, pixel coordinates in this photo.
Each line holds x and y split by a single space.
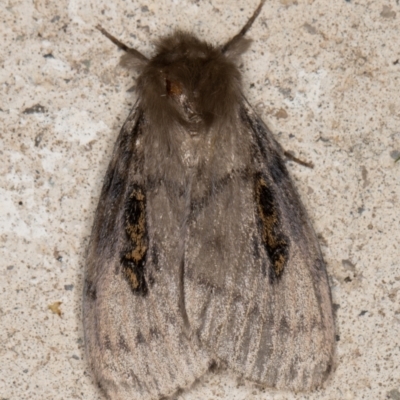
324 75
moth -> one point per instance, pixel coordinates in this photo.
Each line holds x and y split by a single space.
201 251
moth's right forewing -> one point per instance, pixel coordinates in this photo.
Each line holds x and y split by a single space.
304 332
256 287
133 325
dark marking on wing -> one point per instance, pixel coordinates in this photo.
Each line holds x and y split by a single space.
274 241
133 259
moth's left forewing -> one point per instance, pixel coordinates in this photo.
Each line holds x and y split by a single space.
257 289
134 337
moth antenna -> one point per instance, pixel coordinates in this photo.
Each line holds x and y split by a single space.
136 54
243 31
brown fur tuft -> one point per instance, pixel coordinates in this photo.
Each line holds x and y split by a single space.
189 82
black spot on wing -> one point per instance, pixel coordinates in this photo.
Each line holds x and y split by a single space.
275 242
273 239
134 257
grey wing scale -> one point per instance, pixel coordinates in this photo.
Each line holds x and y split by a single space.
133 323
256 288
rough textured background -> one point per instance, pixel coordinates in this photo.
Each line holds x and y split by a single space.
324 75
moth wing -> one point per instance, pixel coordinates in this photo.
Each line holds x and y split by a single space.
135 344
256 288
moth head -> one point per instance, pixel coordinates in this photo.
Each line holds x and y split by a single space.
195 82
189 81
